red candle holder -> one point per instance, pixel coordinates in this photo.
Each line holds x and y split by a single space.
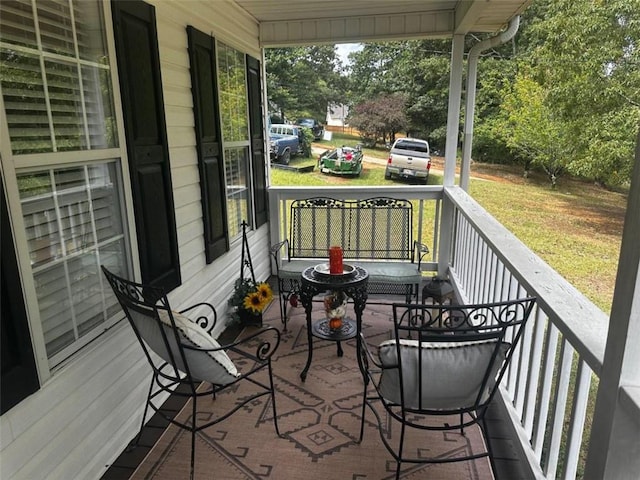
335 260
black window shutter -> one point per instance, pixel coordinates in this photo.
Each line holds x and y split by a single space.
208 139
19 377
257 141
147 149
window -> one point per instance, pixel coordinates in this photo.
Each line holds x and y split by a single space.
235 166
74 224
235 135
56 84
227 108
55 78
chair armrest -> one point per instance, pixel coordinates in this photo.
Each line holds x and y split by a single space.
419 251
203 320
274 250
368 356
269 340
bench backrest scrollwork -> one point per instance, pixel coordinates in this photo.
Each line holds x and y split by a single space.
374 228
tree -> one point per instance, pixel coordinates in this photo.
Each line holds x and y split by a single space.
419 70
426 74
302 81
374 71
379 118
586 55
496 74
533 131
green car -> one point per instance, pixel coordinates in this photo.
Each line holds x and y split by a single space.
341 161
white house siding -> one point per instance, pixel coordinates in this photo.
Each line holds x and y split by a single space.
336 115
84 416
58 432
226 23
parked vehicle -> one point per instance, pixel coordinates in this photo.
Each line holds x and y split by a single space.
312 124
285 141
341 161
409 158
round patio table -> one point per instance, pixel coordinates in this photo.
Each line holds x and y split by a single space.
354 285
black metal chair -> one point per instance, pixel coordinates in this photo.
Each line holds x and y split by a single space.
440 372
189 356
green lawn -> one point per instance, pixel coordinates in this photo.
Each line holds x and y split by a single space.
368 176
576 228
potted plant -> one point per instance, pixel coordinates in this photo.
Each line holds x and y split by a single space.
249 300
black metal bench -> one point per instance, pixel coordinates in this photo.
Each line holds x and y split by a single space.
375 233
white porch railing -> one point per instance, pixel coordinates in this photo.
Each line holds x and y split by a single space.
548 390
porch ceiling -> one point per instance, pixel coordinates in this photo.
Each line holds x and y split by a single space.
287 22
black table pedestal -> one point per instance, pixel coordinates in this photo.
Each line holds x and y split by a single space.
354 286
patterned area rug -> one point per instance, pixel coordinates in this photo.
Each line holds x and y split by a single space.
319 420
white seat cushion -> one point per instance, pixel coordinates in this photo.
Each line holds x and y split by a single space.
400 273
294 268
212 366
452 372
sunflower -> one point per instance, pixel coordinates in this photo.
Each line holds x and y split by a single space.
254 301
249 296
265 292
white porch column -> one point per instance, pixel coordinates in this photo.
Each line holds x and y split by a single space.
453 117
453 123
614 448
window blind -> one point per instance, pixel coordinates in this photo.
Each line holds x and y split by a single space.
236 175
73 224
55 79
235 135
57 90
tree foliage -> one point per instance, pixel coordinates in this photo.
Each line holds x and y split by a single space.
495 74
419 70
585 54
379 118
374 71
533 129
302 81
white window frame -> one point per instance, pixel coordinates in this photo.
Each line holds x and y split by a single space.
235 230
12 165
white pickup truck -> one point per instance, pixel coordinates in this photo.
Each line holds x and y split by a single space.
409 158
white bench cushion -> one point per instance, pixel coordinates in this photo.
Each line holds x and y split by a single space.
399 273
452 372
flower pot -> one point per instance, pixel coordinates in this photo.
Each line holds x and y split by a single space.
249 318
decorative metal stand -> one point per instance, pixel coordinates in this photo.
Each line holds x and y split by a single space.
245 262
247 317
